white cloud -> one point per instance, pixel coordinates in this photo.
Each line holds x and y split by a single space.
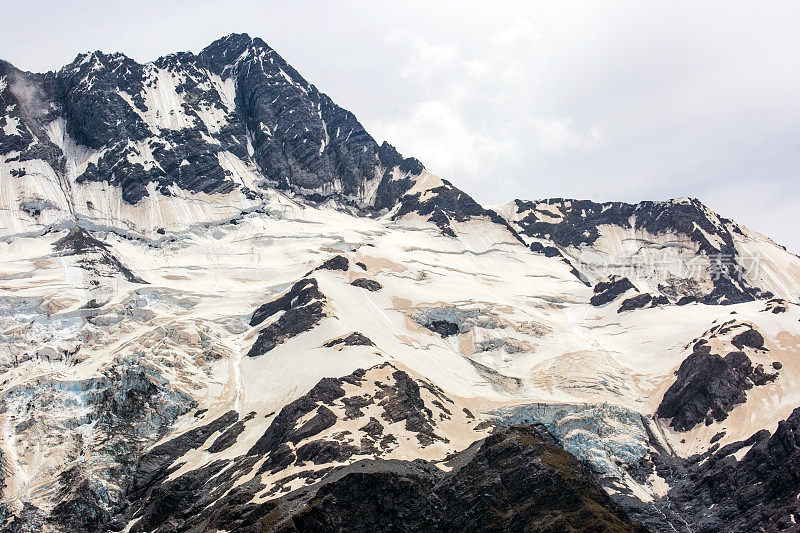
560 134
477 104
427 59
518 32
26 94
444 140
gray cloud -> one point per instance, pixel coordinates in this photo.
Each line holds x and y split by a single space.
625 100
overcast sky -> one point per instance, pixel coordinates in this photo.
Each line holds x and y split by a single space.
604 100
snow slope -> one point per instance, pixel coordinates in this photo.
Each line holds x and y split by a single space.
526 334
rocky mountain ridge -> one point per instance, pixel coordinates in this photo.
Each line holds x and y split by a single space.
193 121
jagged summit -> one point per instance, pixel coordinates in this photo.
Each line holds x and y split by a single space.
225 51
171 121
220 53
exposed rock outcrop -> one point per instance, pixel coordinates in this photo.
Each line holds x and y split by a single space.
515 480
353 339
744 486
92 254
608 291
303 307
368 284
708 386
337 262
578 224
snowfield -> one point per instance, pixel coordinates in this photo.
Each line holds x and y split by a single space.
526 336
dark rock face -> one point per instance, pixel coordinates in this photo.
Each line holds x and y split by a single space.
132 411
640 301
750 338
582 218
94 255
399 402
303 308
552 251
24 102
196 500
777 306
229 436
353 339
659 300
81 505
446 203
516 480
96 113
373 427
404 403
547 251
715 492
760 491
635 302
365 283
709 386
578 222
337 262
154 465
282 429
295 321
445 328
302 293
379 501
300 139
608 291
90 91
324 451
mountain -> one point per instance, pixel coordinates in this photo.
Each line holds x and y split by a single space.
677 250
228 122
225 307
